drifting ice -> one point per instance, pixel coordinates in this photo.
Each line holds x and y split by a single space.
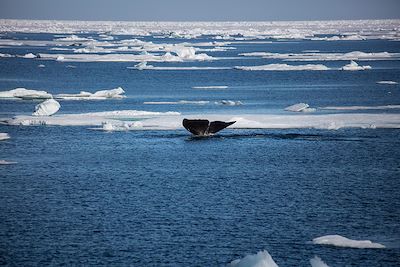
300 107
261 259
46 108
284 67
340 241
4 136
25 94
317 262
99 95
352 66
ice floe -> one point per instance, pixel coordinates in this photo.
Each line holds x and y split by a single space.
284 67
317 262
6 55
312 56
353 66
143 66
211 87
24 93
261 259
387 82
229 103
173 120
180 102
30 55
6 162
73 38
4 136
41 66
300 107
362 107
124 126
340 241
99 95
46 108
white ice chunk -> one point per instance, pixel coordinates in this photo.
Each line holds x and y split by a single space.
353 66
6 162
317 262
340 241
387 82
41 66
4 136
30 55
261 259
60 58
99 95
113 93
5 55
25 94
284 67
46 108
73 38
300 107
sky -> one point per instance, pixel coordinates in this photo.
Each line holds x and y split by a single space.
199 10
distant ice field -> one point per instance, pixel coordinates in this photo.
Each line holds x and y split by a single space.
307 176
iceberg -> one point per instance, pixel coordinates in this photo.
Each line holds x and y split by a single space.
387 82
99 95
284 67
353 66
300 107
30 55
317 262
46 108
340 241
261 259
4 136
25 94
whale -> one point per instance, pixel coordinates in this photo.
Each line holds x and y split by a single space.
202 127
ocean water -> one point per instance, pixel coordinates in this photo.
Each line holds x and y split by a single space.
78 196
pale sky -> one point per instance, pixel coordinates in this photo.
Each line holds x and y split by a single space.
199 10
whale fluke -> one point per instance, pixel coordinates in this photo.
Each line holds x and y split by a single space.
204 127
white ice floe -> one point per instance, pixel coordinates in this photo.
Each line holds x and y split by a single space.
317 262
261 259
284 67
229 103
4 136
180 102
340 241
173 120
211 87
73 38
353 66
41 66
30 55
25 94
387 82
313 56
362 107
99 95
6 162
6 55
118 117
46 108
300 107
151 67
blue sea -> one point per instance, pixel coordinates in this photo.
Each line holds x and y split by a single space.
82 197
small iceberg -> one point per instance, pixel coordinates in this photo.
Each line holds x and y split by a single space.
143 66
25 94
46 108
30 55
317 262
300 107
4 136
340 241
261 259
6 162
353 66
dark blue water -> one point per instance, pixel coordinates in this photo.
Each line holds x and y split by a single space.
163 198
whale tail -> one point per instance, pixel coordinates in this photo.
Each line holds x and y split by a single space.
204 127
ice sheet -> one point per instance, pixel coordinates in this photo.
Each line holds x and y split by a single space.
261 259
340 241
284 67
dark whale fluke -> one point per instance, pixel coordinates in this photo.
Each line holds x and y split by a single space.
204 127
